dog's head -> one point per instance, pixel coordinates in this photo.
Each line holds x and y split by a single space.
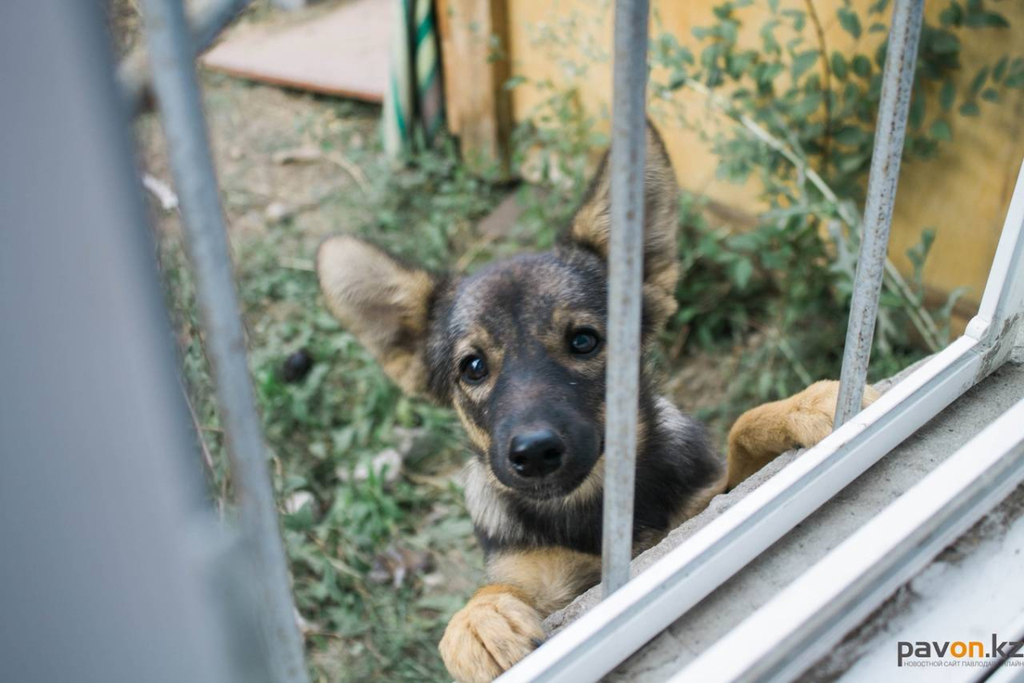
517 348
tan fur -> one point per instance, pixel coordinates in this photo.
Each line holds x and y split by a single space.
501 623
799 421
479 437
382 302
495 629
591 225
549 577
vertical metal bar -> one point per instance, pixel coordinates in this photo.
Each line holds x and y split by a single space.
111 566
625 284
171 57
897 83
207 19
210 18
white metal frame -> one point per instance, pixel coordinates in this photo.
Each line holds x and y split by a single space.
594 644
799 625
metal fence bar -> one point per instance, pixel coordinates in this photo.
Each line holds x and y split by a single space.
897 83
113 566
207 19
806 619
171 57
625 294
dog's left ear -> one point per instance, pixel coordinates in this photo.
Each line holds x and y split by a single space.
591 226
385 303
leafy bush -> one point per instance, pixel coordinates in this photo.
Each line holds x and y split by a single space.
799 118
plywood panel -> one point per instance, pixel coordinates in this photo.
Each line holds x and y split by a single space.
343 51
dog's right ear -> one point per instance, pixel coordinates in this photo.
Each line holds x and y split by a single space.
383 302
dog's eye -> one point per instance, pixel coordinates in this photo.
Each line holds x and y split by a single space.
473 369
584 342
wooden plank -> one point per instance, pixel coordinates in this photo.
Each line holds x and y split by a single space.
474 53
343 51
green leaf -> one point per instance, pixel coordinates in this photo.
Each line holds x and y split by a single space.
839 66
798 17
944 42
918 104
877 28
940 130
768 36
979 80
807 106
947 95
862 66
852 135
723 11
953 15
802 62
302 520
1015 76
969 109
742 270
849 20
918 253
764 74
514 82
986 20
990 95
878 7
999 70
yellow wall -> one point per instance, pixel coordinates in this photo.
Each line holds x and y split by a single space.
963 193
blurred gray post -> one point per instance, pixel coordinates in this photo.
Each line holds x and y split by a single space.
174 79
112 568
625 293
207 19
897 83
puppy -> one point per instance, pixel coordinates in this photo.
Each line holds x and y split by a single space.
518 350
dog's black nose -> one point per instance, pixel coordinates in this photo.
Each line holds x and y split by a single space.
537 453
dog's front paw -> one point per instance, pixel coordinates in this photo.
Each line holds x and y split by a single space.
813 410
492 632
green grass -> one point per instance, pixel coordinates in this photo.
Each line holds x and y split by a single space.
344 412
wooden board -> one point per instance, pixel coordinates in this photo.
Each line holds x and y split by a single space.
342 51
474 48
